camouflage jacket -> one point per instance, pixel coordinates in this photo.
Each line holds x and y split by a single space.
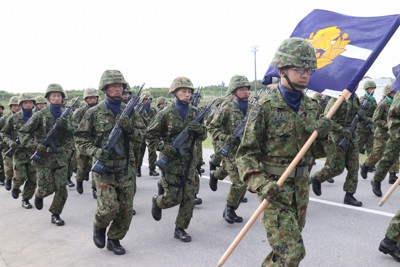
78 115
343 116
166 126
369 112
148 117
35 130
225 120
394 118
380 119
9 134
273 136
3 146
97 124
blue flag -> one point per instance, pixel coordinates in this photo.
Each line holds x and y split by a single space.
396 83
345 47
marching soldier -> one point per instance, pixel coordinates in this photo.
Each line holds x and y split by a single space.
116 187
392 237
179 181
277 127
161 103
24 172
52 167
40 102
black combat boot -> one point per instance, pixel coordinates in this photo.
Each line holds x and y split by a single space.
115 246
182 235
392 178
330 180
79 187
244 200
38 202
7 184
2 183
349 199
197 201
376 188
229 214
364 171
138 172
133 212
87 176
94 192
70 183
213 183
238 219
316 185
55 219
26 204
160 189
213 167
15 192
99 236
155 210
153 173
388 246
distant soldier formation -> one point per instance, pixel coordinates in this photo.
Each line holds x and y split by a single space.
45 139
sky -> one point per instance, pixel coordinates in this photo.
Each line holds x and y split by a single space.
154 41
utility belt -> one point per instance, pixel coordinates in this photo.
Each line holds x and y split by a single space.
115 163
298 172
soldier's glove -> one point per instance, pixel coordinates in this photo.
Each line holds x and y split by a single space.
62 122
346 133
196 128
270 191
323 126
170 151
125 123
39 147
101 154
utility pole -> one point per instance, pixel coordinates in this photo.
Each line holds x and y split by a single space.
254 49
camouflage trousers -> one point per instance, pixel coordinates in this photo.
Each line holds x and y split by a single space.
152 158
83 166
25 173
51 179
337 160
390 156
115 194
175 195
377 153
284 220
221 173
8 166
365 140
2 175
393 230
71 166
215 158
238 187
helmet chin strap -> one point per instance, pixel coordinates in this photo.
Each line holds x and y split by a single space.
293 85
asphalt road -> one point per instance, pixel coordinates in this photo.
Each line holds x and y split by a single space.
335 234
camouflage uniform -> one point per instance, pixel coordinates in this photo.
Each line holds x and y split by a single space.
24 172
389 245
380 137
343 158
116 188
52 168
273 136
225 120
365 132
392 148
167 125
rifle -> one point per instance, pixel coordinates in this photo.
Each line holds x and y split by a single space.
196 97
112 141
182 137
353 125
49 139
237 133
10 152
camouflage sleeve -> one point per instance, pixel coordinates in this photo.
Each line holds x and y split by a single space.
76 118
216 128
394 118
249 151
140 128
154 129
6 132
378 119
27 132
83 134
336 127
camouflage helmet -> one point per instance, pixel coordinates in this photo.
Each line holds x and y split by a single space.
77 103
13 101
40 100
111 77
127 90
296 52
369 84
238 81
54 87
161 100
90 92
181 82
145 95
26 97
66 96
386 90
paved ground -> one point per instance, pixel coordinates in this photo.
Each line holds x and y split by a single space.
335 234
